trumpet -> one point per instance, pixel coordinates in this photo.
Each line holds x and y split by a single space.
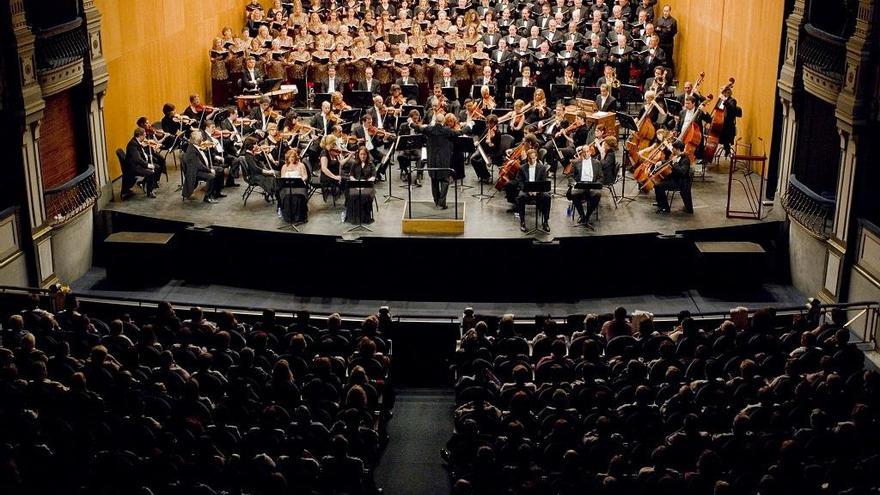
613 81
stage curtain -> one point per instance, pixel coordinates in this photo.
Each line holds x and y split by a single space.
157 52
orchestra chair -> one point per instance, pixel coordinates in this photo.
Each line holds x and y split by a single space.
127 180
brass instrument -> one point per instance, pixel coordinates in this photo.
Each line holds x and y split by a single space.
614 82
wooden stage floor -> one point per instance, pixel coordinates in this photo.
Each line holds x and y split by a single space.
485 219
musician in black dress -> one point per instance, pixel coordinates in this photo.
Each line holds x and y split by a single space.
331 168
258 171
679 179
359 201
727 103
533 171
293 201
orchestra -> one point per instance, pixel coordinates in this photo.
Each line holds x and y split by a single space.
534 79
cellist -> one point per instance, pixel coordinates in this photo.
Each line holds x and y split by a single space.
690 115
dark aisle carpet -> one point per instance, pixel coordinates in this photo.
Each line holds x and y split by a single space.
421 426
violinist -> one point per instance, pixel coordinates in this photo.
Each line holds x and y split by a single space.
371 136
517 119
277 146
162 139
324 120
486 99
539 109
331 159
358 201
679 179
533 171
139 162
407 158
575 135
293 201
337 103
396 100
586 167
222 152
512 188
491 149
263 114
198 166
175 124
259 173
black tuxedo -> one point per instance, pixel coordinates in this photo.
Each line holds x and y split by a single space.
410 81
482 81
649 62
322 125
609 104
590 196
541 200
137 164
680 180
325 85
491 41
262 120
374 86
449 82
251 83
441 143
196 168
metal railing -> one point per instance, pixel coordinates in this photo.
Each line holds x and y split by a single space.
823 52
61 45
813 212
71 198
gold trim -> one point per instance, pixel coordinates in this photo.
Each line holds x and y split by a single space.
871 278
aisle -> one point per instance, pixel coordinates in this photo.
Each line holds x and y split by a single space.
421 426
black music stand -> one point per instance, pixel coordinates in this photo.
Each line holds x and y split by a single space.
587 186
476 91
320 98
406 109
361 99
288 183
629 125
629 94
410 92
384 166
558 91
524 93
450 92
542 186
591 92
360 185
410 142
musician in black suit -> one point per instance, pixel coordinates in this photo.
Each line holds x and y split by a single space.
198 167
331 83
407 158
261 114
501 62
369 83
405 78
731 112
689 91
525 79
252 77
139 163
441 141
533 171
679 179
653 57
604 101
446 80
489 144
691 114
586 170
486 79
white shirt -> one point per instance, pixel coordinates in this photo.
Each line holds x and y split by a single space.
533 170
688 118
331 85
587 170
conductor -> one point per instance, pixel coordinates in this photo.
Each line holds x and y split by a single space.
441 139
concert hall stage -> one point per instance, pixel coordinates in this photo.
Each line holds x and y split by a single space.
632 248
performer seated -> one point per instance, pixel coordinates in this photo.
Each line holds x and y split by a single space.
259 173
408 158
586 168
491 149
198 112
331 167
679 179
139 162
533 171
372 137
293 201
163 139
569 138
512 188
359 201
223 152
199 167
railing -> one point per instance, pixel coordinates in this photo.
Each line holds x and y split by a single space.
61 45
813 212
823 52
72 197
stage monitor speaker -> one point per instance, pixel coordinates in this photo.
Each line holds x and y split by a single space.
139 259
722 266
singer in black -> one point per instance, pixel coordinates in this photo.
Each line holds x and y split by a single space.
441 141
678 180
533 171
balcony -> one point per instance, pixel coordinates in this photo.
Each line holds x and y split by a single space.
60 52
71 198
824 58
811 211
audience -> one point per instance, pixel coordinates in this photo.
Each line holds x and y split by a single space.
753 406
164 406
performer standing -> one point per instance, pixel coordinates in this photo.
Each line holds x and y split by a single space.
679 179
441 139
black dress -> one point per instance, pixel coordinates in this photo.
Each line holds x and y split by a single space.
329 185
294 203
359 202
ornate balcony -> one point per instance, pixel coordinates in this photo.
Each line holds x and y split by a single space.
72 197
810 210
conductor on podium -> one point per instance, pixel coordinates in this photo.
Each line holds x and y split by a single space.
441 139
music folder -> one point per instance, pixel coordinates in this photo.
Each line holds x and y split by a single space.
410 91
524 93
539 186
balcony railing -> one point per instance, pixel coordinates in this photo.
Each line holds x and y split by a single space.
61 45
823 52
71 198
813 212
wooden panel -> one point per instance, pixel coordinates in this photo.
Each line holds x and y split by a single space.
57 140
733 38
157 53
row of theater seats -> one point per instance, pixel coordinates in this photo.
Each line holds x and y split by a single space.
756 404
167 404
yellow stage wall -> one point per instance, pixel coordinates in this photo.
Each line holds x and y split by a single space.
157 52
728 38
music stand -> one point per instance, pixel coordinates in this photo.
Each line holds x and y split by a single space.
673 107
629 125
321 98
350 116
542 186
450 92
410 91
524 93
289 183
383 166
629 94
477 88
360 185
361 99
591 92
266 85
558 91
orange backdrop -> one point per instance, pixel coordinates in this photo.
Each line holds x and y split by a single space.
735 38
157 52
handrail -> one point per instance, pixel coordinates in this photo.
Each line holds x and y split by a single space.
810 210
88 172
800 186
73 197
8 212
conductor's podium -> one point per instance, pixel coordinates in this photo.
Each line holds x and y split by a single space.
423 218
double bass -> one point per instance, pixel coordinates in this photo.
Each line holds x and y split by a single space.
717 125
693 135
642 138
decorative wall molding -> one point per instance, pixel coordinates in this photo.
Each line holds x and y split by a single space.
54 81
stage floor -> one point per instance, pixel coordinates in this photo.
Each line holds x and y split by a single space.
485 218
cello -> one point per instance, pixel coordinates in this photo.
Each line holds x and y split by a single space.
507 172
644 170
693 135
717 125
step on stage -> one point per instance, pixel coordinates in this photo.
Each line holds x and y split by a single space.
484 256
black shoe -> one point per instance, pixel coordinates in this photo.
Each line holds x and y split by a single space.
210 200
418 183
545 227
662 210
522 227
151 194
689 211
219 195
582 220
380 178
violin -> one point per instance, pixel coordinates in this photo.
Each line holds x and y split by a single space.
488 103
398 100
152 132
374 131
221 133
571 128
204 108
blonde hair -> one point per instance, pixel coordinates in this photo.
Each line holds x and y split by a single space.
328 142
